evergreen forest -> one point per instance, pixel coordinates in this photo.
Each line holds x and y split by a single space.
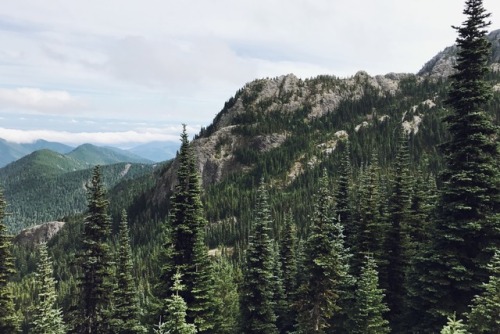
376 210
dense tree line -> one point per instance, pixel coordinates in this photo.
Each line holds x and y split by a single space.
382 236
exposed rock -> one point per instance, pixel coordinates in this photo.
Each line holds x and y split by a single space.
38 234
442 64
268 142
362 125
412 126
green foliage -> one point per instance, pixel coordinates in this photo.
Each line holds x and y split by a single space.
9 323
454 326
226 296
484 316
467 230
175 320
94 259
325 267
256 297
126 308
369 305
47 318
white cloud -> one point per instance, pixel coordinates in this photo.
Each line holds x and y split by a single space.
34 99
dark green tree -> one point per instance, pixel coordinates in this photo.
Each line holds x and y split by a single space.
95 262
397 240
47 318
467 230
325 266
184 249
226 297
9 322
484 316
369 305
175 320
256 296
126 304
288 260
343 206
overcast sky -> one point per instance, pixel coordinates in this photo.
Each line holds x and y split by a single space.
121 71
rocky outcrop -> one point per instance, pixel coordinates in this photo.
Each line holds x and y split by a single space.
38 234
442 64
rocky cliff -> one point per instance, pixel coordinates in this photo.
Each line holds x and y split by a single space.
38 234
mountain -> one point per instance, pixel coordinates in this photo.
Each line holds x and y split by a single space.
10 151
442 64
95 155
156 151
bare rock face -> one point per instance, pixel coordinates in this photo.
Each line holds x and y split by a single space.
38 234
441 65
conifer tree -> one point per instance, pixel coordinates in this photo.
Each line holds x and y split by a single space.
126 312
256 297
484 316
9 322
288 259
454 326
184 248
467 230
226 304
47 318
397 240
175 320
325 266
95 282
343 206
369 306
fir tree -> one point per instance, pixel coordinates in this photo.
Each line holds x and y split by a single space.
184 248
288 260
9 322
47 318
484 316
175 320
95 281
343 206
226 297
454 326
325 266
256 297
370 307
126 312
468 226
397 239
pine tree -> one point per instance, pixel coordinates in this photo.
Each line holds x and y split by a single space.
175 320
256 297
467 230
370 307
325 267
9 322
484 316
343 206
94 257
226 304
184 248
47 318
397 240
126 312
288 259
454 326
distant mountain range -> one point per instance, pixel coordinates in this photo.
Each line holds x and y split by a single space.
91 154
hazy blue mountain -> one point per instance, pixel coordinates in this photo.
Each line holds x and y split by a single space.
10 151
95 155
157 151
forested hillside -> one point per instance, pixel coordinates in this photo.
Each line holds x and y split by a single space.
322 205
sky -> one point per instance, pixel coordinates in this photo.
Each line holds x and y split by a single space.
125 72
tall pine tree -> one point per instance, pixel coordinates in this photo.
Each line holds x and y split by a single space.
185 250
47 318
9 322
126 308
95 281
325 266
467 230
256 297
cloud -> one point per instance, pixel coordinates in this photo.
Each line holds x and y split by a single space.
146 135
34 99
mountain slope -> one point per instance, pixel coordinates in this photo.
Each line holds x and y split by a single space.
10 151
95 155
156 151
